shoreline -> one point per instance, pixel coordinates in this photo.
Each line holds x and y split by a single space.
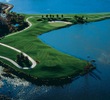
51 30
60 81
57 58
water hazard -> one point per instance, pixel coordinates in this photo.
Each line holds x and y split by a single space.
83 40
86 41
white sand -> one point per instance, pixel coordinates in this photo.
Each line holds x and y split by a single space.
59 22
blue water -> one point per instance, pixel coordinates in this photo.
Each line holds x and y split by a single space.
84 40
60 6
92 39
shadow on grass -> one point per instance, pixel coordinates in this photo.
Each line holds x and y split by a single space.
56 68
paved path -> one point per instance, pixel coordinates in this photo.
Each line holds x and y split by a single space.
27 20
10 47
13 62
32 61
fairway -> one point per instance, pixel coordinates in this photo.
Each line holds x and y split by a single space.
52 63
4 51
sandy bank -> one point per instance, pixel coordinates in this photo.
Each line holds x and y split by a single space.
59 22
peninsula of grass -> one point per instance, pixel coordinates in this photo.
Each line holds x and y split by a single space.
52 63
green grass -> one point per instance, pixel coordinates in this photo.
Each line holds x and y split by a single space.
53 63
4 51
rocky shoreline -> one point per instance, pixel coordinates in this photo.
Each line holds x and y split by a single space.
3 97
44 81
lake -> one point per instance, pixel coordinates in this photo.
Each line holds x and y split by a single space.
60 6
80 40
85 40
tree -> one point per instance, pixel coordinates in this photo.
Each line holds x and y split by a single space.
79 19
4 27
22 56
42 16
46 16
0 7
18 59
62 16
53 16
23 60
50 16
26 61
57 15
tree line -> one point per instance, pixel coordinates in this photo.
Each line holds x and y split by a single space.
50 17
80 19
74 19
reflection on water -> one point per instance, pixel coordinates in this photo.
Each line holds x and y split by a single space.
17 88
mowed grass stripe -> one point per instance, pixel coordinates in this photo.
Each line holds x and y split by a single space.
6 52
52 62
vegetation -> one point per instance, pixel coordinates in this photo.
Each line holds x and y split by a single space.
51 18
75 18
23 61
11 23
0 7
52 63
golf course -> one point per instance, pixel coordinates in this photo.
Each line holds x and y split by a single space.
46 62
